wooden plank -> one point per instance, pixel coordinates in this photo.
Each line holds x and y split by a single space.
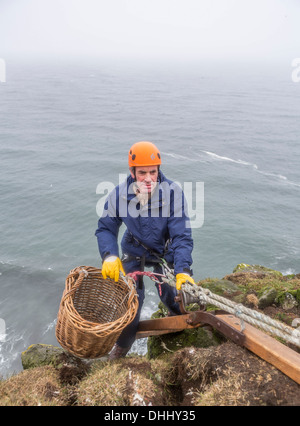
157 326
267 348
258 342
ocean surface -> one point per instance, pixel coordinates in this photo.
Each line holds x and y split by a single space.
67 126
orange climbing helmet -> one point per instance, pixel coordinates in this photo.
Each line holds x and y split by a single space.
144 154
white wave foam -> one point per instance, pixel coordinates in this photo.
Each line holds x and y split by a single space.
255 167
147 312
50 326
278 176
9 350
179 157
219 157
289 272
7 262
139 347
272 174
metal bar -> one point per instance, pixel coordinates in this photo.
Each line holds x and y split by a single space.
219 324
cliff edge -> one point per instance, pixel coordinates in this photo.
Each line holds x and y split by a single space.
192 368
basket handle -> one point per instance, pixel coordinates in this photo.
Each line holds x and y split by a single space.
81 273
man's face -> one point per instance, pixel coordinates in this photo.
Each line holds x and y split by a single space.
146 178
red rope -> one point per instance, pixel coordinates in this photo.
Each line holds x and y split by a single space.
151 275
135 274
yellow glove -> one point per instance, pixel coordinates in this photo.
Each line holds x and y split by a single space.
181 279
111 268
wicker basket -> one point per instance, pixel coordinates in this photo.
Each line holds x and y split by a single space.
93 312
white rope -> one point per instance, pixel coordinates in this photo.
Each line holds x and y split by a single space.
255 318
205 296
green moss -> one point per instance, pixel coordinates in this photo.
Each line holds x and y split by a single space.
280 297
296 294
263 285
221 287
241 267
169 343
287 300
161 312
267 297
290 276
255 268
40 355
281 316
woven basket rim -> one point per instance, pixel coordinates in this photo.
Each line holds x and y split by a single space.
91 326
85 338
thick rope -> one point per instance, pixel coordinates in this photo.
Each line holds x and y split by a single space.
255 318
205 296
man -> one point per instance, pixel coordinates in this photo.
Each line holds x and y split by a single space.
153 209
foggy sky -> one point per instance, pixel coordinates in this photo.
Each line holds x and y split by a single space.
191 29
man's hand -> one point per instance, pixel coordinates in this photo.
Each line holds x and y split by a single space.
181 279
111 268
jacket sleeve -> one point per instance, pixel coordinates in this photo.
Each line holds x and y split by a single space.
108 227
180 233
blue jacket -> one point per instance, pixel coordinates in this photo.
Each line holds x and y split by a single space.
164 217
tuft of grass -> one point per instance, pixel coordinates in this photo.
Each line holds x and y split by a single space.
105 386
36 387
225 391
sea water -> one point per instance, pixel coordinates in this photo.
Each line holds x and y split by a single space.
67 126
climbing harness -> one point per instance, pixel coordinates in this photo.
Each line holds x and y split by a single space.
166 277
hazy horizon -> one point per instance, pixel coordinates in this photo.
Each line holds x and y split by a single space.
169 30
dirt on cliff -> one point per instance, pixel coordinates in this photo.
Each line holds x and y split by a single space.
226 375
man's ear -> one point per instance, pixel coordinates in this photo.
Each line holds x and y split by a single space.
132 172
